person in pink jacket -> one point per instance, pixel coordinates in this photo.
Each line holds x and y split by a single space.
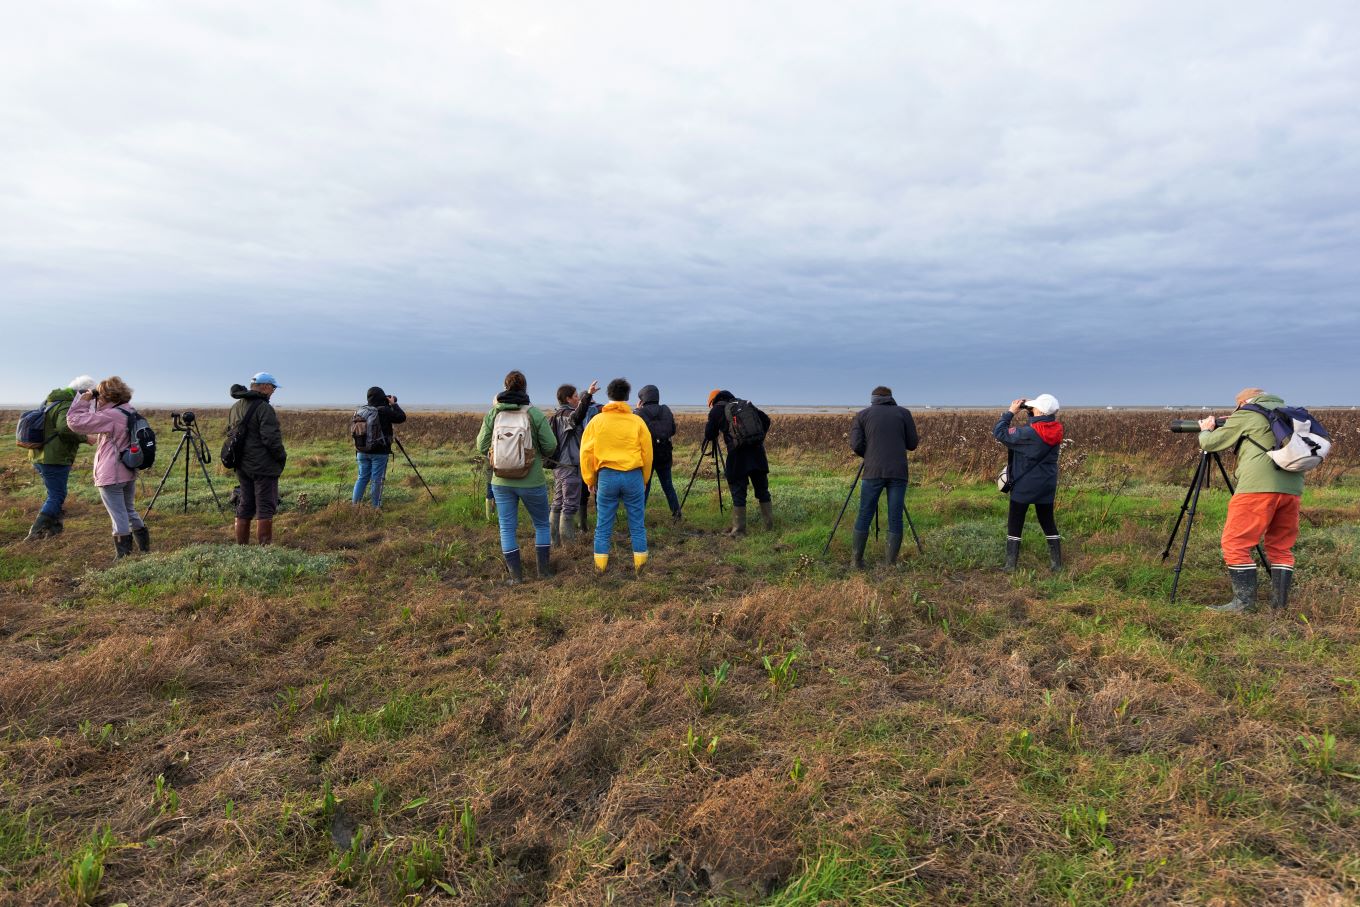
103 412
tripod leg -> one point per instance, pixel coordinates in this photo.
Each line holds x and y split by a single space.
703 451
912 526
853 482
188 455
203 459
1185 505
718 474
1201 479
411 463
165 476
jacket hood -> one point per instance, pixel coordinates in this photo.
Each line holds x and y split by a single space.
649 394
617 406
1049 430
722 397
882 400
1268 401
241 392
61 393
376 397
512 399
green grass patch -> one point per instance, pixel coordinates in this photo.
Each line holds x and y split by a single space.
262 568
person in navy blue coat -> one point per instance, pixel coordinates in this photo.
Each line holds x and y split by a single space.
1032 470
882 434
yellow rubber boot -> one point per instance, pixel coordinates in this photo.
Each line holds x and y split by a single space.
639 561
601 562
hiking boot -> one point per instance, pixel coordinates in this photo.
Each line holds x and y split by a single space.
555 526
264 532
513 565
601 563
1244 592
857 542
545 570
122 546
142 536
242 528
41 528
639 561
1055 562
1012 555
738 521
894 547
1281 578
767 515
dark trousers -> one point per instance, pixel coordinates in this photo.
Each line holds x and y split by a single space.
869 490
1015 520
662 474
760 484
259 496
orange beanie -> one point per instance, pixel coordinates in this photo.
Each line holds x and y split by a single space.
713 393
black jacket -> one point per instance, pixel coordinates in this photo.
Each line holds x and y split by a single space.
744 460
1034 462
568 426
660 422
262 454
389 414
882 434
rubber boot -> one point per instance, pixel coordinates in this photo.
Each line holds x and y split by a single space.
567 524
1281 578
738 521
514 567
1055 562
894 547
601 563
143 538
555 523
56 527
857 542
1244 592
581 517
242 531
122 546
545 570
41 528
639 561
767 515
264 531
1012 555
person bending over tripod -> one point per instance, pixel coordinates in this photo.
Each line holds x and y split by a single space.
262 457
1032 472
882 434
372 453
746 460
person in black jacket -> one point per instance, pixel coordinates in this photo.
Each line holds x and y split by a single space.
745 462
1032 469
661 423
882 434
568 424
373 461
262 457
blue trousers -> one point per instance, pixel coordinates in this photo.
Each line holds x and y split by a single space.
535 500
372 468
55 479
615 488
662 474
869 490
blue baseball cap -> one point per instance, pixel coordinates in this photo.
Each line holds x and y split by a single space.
264 378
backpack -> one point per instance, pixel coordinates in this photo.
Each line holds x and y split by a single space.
1301 442
512 443
744 422
31 433
235 442
365 429
141 450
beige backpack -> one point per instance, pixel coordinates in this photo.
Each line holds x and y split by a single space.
512 443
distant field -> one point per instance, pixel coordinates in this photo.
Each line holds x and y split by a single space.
364 714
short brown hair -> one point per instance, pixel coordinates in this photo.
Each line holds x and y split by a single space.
114 391
515 381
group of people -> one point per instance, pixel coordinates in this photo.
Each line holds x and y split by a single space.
614 450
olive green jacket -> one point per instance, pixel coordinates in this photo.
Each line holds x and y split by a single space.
62 443
1250 434
545 443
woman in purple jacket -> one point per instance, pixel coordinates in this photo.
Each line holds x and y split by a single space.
104 412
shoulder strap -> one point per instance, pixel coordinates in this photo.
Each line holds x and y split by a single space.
246 420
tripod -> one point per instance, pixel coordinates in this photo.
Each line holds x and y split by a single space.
402 448
717 470
1188 508
905 512
197 449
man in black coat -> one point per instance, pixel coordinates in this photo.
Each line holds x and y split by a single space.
745 462
882 434
262 457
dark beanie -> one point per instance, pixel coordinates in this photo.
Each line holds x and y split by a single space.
376 397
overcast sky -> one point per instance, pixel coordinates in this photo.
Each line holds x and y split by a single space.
1111 202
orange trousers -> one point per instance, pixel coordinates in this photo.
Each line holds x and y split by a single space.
1253 515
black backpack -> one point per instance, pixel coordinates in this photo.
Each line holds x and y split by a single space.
743 420
365 427
141 450
235 443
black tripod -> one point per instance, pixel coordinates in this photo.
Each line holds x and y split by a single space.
402 447
717 470
905 512
197 449
1188 508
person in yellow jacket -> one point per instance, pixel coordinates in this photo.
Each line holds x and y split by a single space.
616 465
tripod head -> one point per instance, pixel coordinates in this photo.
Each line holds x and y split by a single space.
185 421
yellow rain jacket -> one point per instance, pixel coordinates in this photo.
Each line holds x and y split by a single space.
616 439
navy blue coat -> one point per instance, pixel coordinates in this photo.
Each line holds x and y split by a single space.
882 434
1034 467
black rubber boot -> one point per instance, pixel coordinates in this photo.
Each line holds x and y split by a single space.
1012 555
1055 562
41 528
545 570
555 523
581 517
1244 592
143 538
894 547
738 521
513 565
122 546
1281 578
56 527
857 541
767 515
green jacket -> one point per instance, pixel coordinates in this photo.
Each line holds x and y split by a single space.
62 443
1256 472
545 442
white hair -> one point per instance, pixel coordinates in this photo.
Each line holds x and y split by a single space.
82 384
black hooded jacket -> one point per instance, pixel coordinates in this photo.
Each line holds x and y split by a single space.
743 460
882 434
389 414
660 422
263 454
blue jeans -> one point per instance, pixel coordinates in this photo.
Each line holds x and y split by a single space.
616 488
663 475
55 480
508 499
869 490
372 468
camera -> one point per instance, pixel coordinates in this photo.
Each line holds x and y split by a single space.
1191 426
183 420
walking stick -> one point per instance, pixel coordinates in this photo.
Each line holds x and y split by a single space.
703 451
402 448
859 472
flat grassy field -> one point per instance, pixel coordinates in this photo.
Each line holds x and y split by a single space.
365 714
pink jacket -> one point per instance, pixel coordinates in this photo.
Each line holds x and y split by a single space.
111 426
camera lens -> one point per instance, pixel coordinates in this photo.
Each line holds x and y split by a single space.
188 416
